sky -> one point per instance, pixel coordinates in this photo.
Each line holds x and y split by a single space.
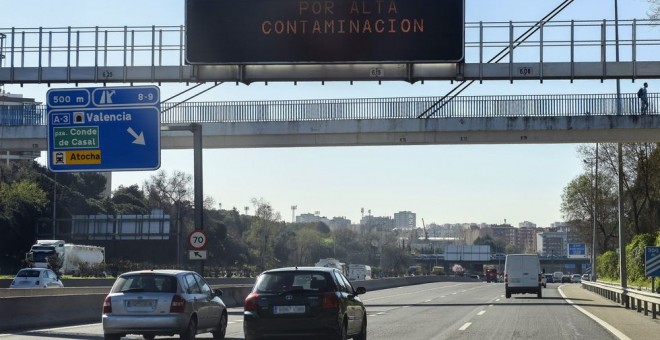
440 183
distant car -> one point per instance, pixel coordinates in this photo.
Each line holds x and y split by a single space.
556 276
163 302
474 276
566 279
585 277
36 278
304 301
576 278
549 278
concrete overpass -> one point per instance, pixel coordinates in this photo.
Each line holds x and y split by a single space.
386 121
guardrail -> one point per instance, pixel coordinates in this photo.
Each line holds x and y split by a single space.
554 105
629 298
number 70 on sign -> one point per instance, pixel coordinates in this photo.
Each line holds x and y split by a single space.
197 239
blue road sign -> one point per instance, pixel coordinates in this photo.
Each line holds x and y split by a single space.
652 261
104 129
577 250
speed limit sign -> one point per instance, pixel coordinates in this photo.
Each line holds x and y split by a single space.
197 239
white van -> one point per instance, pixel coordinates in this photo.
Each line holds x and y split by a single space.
522 274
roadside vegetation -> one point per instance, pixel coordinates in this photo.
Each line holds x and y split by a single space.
243 241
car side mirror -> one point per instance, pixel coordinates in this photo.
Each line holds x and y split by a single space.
217 292
360 290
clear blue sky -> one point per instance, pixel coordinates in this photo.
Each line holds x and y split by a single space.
442 184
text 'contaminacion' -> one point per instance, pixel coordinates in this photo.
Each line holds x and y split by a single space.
387 21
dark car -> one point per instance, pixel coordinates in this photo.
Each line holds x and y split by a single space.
549 278
566 279
163 302
304 301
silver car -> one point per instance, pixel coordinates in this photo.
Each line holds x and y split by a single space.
36 278
163 302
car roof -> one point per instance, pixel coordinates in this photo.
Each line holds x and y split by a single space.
172 272
292 269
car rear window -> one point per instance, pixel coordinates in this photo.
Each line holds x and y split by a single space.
145 283
278 282
28 273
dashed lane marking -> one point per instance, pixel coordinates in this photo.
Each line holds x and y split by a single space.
464 327
481 313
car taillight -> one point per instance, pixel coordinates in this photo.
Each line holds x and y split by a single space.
107 305
330 300
251 302
178 304
506 278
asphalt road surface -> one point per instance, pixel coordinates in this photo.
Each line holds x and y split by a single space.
446 310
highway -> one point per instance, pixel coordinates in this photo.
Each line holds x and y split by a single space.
444 310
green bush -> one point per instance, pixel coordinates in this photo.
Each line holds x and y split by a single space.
635 255
607 265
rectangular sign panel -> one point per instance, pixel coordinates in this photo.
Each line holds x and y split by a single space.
104 129
197 255
652 261
577 250
328 31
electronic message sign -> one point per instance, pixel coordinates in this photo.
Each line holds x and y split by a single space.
324 31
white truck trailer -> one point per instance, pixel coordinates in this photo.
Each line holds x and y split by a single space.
332 263
357 272
62 257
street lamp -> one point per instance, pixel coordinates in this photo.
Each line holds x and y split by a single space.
595 217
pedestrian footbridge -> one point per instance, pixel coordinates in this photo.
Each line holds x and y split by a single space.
379 121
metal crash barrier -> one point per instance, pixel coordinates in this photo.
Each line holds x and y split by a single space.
640 301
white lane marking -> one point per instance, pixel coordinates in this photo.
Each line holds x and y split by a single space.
481 313
443 296
491 305
464 327
428 300
52 329
409 293
617 333
454 293
381 313
497 299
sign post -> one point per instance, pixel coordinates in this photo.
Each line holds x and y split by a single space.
103 129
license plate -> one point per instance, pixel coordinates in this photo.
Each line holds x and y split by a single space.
288 309
140 303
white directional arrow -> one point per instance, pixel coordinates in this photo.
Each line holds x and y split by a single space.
139 139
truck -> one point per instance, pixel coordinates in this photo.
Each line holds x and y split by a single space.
332 263
490 273
359 272
62 257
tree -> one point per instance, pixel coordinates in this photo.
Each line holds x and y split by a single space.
173 194
130 200
21 204
654 11
260 234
